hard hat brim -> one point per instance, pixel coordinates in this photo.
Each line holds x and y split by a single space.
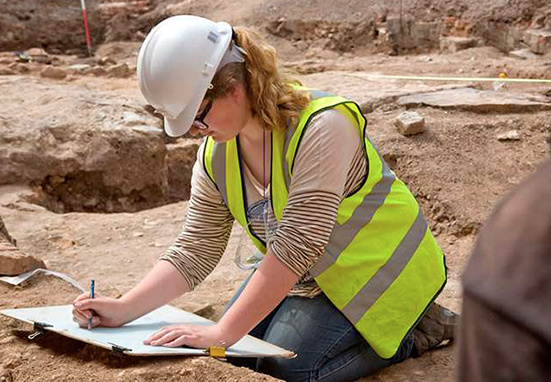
181 124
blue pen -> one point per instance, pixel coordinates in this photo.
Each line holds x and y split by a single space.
92 285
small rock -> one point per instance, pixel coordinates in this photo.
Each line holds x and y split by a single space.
106 61
511 135
8 340
301 45
97 71
79 67
55 73
198 362
120 70
5 375
12 362
22 68
410 123
186 371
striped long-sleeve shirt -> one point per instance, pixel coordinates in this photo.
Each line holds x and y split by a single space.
330 164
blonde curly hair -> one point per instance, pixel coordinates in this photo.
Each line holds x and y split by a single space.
273 99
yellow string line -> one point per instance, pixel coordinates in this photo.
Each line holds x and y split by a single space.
468 79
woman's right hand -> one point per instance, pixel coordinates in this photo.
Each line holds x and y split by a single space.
109 312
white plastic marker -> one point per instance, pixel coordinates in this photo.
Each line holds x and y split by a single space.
16 280
501 78
86 29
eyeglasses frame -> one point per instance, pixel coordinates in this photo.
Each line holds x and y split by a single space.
199 122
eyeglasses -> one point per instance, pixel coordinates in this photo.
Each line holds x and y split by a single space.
199 122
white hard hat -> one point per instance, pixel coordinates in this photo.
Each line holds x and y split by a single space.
176 64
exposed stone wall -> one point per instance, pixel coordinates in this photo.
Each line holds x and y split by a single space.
55 25
89 150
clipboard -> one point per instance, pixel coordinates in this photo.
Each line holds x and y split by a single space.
128 339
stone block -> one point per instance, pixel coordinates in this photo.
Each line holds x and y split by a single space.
410 123
455 44
14 262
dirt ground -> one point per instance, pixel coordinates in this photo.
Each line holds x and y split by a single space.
458 170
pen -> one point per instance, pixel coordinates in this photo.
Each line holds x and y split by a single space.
91 311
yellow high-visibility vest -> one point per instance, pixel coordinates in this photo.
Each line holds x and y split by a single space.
382 266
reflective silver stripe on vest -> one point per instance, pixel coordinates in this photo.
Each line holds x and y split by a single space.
386 275
342 235
315 94
219 168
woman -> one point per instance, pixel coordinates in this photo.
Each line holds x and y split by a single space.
350 266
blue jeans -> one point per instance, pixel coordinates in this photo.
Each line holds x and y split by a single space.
327 345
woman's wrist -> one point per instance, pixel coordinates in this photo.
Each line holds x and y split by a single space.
228 334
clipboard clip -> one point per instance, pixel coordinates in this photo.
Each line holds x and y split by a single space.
38 328
117 349
216 351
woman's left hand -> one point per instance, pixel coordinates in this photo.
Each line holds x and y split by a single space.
197 336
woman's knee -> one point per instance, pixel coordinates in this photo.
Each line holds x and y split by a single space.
286 369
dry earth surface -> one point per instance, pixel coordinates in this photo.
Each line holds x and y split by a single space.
90 185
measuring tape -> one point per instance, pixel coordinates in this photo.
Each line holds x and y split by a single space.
502 78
